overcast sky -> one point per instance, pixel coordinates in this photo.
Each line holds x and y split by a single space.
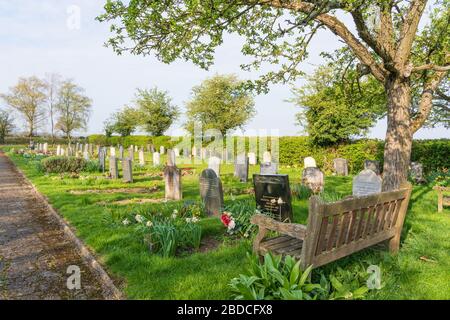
35 38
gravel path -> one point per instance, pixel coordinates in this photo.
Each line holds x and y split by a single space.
34 251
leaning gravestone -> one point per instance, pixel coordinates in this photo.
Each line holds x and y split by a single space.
365 183
252 158
313 179
113 168
211 192
309 162
273 195
268 168
267 157
340 167
172 179
372 165
156 159
214 164
141 157
241 167
416 172
127 170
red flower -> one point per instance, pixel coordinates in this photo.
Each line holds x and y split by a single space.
225 219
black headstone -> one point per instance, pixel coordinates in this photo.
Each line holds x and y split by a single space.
273 194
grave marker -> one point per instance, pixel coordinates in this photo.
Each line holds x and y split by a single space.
156 159
172 180
365 183
313 179
241 167
113 168
340 166
127 170
309 162
211 192
268 168
252 158
372 165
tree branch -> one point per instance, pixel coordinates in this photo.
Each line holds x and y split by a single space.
431 66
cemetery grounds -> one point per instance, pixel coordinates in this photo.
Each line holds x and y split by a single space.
96 207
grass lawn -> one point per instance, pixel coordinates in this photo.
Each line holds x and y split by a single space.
420 271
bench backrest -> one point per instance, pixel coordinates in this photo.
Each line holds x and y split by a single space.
338 229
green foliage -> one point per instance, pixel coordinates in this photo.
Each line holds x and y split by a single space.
274 279
156 112
301 192
241 212
63 164
6 124
334 110
439 178
123 122
347 284
219 103
92 166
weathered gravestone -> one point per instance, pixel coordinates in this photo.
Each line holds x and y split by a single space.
127 170
268 168
241 167
102 159
267 157
416 172
121 155
112 151
372 165
214 164
309 162
313 179
340 166
156 159
131 153
171 159
273 195
113 168
211 192
141 157
252 158
365 183
172 179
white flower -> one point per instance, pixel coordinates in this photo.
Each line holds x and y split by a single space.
175 211
149 224
126 222
174 215
246 235
139 218
194 219
231 225
280 201
273 201
188 220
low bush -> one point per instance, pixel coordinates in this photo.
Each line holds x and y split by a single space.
63 164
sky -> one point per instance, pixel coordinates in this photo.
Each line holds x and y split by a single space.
39 37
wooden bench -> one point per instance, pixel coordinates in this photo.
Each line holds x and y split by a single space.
443 200
338 229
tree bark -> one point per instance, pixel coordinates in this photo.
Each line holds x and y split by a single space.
398 142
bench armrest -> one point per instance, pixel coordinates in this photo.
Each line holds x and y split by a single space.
291 229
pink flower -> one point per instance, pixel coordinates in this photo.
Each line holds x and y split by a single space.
225 219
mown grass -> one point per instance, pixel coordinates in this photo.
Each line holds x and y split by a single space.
420 271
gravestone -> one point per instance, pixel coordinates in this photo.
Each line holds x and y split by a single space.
416 172
141 157
162 150
273 195
313 179
267 157
211 192
340 166
241 167
127 170
365 183
113 168
172 180
131 153
45 147
61 152
121 155
152 149
268 168
252 158
372 165
91 148
309 162
102 159
112 152
58 150
156 159
214 164
171 160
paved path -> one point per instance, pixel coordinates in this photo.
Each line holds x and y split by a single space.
34 251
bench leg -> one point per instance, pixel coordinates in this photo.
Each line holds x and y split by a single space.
394 244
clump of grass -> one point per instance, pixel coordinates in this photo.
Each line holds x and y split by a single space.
301 192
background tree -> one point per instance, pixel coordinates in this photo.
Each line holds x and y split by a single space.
125 121
336 109
6 124
388 44
220 103
155 111
28 98
73 109
52 83
108 126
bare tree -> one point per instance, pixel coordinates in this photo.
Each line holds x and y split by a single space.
52 82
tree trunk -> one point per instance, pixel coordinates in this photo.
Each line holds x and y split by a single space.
397 149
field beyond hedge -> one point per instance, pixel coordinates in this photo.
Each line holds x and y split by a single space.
419 271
